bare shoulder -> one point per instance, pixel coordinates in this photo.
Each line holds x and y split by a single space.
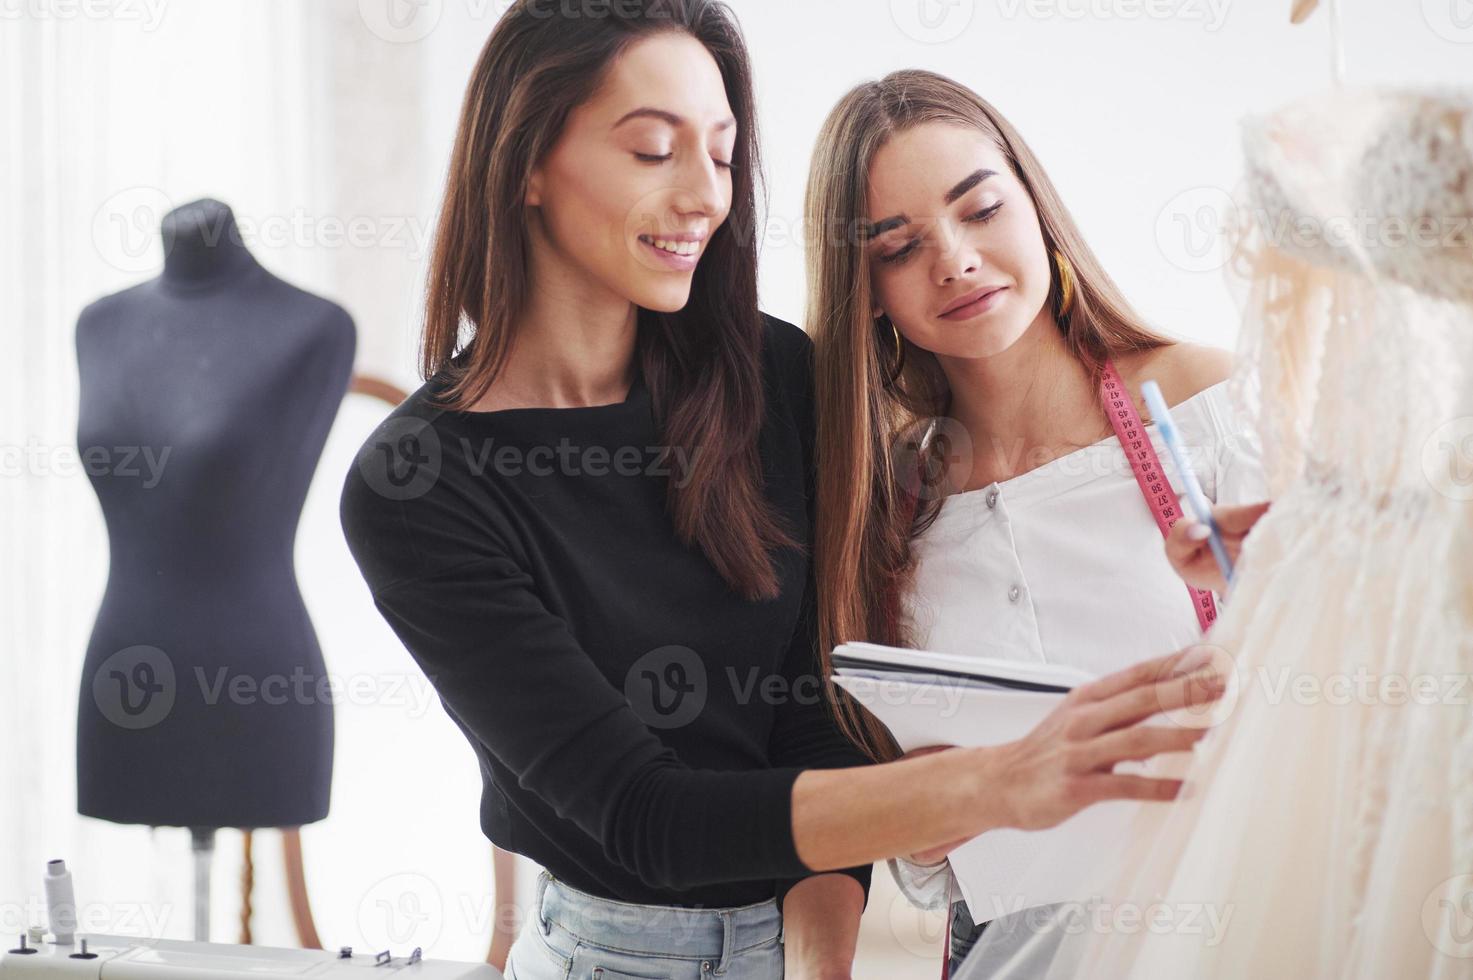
1181 369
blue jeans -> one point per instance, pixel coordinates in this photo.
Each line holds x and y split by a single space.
964 935
572 935
1021 944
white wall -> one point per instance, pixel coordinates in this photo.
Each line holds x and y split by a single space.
1132 106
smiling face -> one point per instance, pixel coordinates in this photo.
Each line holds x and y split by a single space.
639 178
957 259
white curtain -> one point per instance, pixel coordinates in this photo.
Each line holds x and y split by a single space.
305 119
110 121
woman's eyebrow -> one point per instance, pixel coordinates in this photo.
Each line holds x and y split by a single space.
962 186
664 115
968 182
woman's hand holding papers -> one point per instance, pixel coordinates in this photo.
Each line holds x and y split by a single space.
928 806
1067 762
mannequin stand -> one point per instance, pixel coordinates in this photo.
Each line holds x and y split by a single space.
202 841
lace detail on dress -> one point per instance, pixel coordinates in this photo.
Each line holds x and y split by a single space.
1354 261
1353 258
1416 180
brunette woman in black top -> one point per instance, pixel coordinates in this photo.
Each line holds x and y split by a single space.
590 528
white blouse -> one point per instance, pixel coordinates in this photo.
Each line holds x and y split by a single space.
1064 564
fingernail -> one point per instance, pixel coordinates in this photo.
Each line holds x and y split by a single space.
1199 531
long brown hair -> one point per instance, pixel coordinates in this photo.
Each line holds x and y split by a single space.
702 364
870 505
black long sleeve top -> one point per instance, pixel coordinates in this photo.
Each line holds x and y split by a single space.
638 724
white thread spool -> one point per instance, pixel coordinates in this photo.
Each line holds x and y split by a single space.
61 904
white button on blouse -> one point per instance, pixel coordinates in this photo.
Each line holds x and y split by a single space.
1065 564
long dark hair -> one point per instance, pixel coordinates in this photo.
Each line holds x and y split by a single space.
702 364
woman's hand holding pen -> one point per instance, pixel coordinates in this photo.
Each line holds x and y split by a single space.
1190 555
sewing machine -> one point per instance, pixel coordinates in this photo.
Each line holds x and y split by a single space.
70 953
128 958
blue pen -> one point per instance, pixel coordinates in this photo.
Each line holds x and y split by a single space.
1196 499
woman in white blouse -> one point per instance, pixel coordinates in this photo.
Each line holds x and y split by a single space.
974 494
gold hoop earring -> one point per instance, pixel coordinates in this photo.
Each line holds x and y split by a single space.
1066 287
899 348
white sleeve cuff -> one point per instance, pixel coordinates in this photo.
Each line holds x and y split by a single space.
925 885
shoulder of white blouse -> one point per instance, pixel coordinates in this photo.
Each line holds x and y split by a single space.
1237 457
1206 424
1206 417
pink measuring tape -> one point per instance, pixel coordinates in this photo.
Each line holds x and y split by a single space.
1165 507
1147 468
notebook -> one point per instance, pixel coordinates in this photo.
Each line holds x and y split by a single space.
930 698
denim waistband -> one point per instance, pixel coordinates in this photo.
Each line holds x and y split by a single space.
715 934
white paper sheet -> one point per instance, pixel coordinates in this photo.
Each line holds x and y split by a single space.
1003 870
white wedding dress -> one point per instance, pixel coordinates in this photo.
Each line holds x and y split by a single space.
1327 825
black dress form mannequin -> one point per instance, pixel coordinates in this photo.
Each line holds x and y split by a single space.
206 397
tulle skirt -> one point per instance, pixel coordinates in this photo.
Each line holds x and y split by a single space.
1326 824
